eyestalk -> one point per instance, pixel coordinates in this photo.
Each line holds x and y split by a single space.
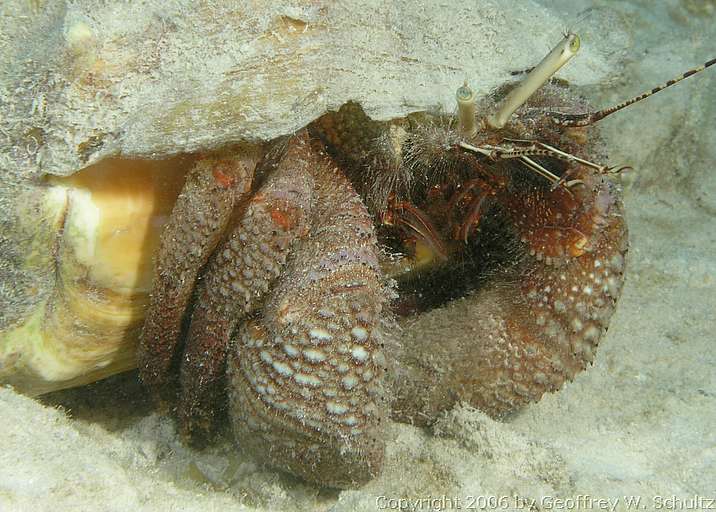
558 57
466 110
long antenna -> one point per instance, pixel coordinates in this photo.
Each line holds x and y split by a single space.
587 118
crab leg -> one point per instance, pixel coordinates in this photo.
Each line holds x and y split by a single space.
494 153
212 187
534 166
498 153
562 155
237 278
473 216
305 377
474 209
411 217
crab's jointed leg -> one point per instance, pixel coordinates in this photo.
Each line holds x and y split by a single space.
409 217
237 278
212 187
496 153
305 376
475 208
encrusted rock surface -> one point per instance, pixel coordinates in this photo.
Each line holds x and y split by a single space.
83 81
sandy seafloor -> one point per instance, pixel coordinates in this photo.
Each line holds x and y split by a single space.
641 422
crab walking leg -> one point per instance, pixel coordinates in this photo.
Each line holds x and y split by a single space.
305 379
212 187
237 278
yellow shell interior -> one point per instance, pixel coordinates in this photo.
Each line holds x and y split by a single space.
109 219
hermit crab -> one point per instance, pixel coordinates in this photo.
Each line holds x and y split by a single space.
292 307
296 282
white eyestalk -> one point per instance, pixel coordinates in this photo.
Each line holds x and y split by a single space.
558 57
466 111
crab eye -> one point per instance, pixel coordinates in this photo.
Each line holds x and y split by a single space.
573 43
464 93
